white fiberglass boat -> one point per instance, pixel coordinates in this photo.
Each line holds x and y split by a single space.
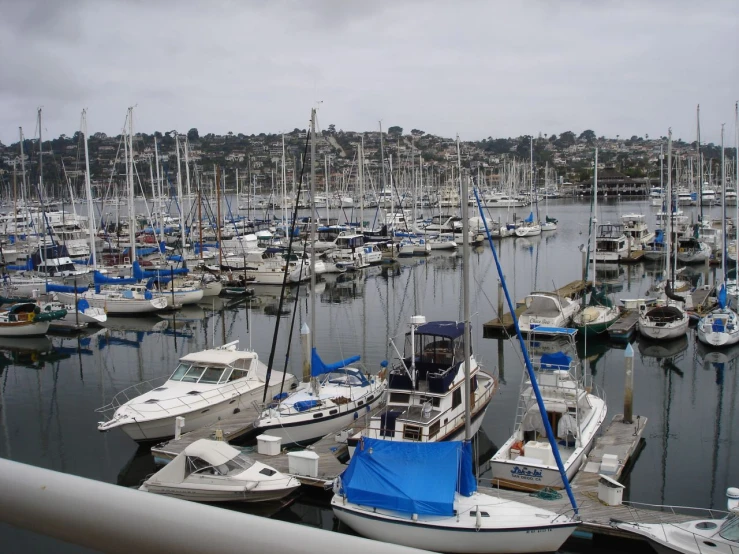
575 408
547 309
333 398
214 471
718 532
424 495
118 300
205 387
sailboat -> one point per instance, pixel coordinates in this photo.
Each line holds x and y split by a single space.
335 393
601 314
721 326
528 227
550 223
424 495
668 319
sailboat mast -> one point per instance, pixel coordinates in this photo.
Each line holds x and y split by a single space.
160 188
670 214
313 225
24 192
40 157
88 191
465 293
361 186
699 169
131 211
736 173
723 207
179 195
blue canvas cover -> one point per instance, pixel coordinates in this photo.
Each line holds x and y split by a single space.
529 219
100 279
409 477
54 287
449 329
722 297
319 367
555 360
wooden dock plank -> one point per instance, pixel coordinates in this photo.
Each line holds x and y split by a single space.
625 326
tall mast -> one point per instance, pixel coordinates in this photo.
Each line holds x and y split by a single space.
179 196
736 172
218 215
670 214
40 158
284 184
361 186
313 224
187 177
465 294
723 206
160 187
88 191
131 210
24 192
699 161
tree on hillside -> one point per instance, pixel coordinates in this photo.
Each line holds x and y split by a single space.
417 132
566 139
332 129
192 134
587 136
395 131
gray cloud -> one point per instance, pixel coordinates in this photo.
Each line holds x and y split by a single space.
475 67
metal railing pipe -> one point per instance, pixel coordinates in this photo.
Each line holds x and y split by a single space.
116 519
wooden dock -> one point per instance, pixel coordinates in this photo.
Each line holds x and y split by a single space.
504 324
633 257
624 327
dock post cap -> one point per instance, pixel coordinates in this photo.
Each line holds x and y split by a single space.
629 353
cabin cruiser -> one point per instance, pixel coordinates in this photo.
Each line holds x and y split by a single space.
425 401
547 309
575 407
712 534
611 244
214 471
636 230
205 387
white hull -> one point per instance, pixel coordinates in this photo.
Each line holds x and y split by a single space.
213 288
528 231
440 534
117 306
162 428
24 329
181 298
224 493
664 332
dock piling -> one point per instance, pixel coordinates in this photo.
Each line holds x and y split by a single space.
629 388
305 342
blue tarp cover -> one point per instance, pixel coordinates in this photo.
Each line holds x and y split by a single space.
319 367
449 329
529 219
544 329
555 360
100 279
303 405
409 477
722 297
53 287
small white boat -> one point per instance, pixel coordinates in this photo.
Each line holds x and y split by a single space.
664 322
692 251
26 320
699 536
423 495
575 408
719 328
214 471
205 387
547 309
118 300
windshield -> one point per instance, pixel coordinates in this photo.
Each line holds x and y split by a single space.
730 528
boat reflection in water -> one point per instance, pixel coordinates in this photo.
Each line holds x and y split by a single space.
31 352
662 348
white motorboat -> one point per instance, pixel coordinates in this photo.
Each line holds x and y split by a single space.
425 396
26 319
575 408
637 231
214 471
718 532
424 495
611 244
547 309
335 396
205 387
265 270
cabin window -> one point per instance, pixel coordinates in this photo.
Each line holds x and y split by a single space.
730 528
332 412
237 374
434 429
412 433
180 371
473 513
360 402
399 398
243 363
226 375
193 374
456 397
211 375
435 400
319 414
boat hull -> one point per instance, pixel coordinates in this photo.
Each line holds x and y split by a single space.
24 329
665 332
546 538
194 493
163 428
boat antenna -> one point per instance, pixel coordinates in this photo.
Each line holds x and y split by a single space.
527 360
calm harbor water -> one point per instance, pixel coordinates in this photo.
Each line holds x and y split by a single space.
50 387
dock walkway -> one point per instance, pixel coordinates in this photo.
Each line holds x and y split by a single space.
504 324
624 327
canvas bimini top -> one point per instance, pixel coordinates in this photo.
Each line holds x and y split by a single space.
448 329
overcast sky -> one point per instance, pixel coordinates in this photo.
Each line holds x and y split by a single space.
477 68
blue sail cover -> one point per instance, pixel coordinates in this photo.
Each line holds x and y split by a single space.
529 219
319 367
54 287
157 273
722 297
409 477
100 279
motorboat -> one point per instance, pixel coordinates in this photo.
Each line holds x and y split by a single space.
334 397
424 495
636 231
214 471
575 407
547 309
611 244
205 387
716 532
424 391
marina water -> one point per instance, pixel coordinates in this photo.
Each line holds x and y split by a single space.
50 387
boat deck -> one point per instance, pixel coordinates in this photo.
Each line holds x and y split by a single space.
503 325
625 327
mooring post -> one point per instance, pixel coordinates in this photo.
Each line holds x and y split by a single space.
305 342
179 423
629 388
500 301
